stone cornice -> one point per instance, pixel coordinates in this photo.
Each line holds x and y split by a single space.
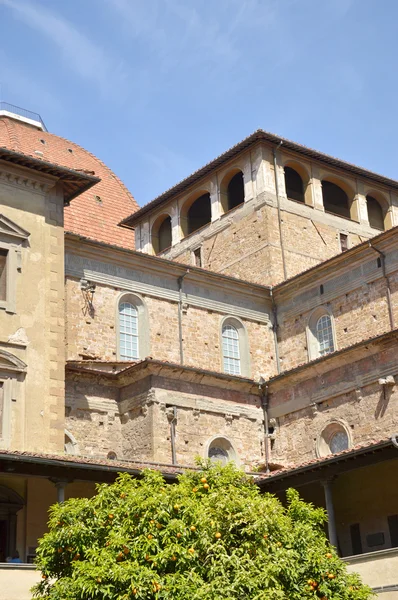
26 179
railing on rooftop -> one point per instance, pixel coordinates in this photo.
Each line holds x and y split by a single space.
22 112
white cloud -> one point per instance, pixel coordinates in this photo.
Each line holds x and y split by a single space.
80 53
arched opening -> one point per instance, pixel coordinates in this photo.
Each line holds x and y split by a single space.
198 214
294 185
335 199
334 438
221 450
161 234
10 504
232 190
375 213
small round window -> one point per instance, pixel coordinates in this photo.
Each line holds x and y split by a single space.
221 450
334 438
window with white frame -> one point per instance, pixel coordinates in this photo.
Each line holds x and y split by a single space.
230 350
324 335
321 339
128 331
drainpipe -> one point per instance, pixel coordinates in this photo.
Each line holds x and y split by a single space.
172 417
278 201
180 282
275 330
383 266
264 405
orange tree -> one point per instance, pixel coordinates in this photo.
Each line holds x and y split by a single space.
210 536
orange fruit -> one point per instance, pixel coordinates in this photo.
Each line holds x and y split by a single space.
203 480
218 535
194 490
193 528
329 555
150 536
191 550
178 535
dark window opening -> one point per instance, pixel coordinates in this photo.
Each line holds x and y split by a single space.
294 185
343 242
236 191
335 200
3 274
164 234
197 257
199 214
393 529
379 262
375 213
356 541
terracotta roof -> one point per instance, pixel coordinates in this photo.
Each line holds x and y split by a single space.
95 213
369 447
257 136
93 462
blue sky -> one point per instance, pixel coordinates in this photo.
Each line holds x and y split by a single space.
157 88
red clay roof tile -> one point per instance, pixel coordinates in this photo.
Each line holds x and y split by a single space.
94 214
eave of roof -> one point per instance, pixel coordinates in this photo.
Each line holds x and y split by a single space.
74 182
86 366
81 464
328 357
342 257
257 136
181 268
314 470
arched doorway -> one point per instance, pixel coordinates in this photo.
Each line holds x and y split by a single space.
10 504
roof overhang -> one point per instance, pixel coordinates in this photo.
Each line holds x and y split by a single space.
258 136
326 468
74 182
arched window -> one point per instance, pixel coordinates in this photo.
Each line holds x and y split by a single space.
320 333
236 191
235 347
375 213
232 190
324 334
335 199
70 444
199 213
221 450
230 350
294 185
128 331
161 234
334 438
132 327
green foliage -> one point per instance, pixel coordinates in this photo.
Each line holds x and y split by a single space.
212 536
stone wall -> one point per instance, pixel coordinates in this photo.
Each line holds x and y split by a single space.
133 419
345 389
94 333
32 321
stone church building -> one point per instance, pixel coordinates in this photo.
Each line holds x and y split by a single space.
249 313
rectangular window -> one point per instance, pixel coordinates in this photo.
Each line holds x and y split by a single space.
393 528
3 274
343 242
197 257
356 541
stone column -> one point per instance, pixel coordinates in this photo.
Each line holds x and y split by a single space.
60 484
327 487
